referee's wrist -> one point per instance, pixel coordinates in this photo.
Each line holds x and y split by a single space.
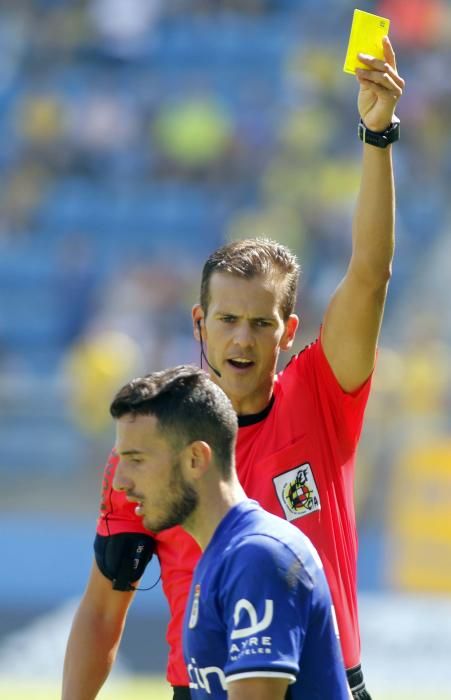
379 139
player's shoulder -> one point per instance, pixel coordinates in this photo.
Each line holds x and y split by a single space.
266 541
262 562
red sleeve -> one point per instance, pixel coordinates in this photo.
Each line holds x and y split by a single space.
116 513
345 410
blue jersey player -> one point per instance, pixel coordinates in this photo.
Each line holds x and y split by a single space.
260 609
259 624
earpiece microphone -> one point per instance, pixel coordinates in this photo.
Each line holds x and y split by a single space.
203 355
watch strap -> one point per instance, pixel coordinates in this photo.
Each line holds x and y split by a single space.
381 139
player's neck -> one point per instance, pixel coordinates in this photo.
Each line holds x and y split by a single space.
214 504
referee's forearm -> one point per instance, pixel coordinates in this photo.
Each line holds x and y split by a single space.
90 654
374 220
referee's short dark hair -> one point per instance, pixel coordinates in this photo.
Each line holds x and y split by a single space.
188 407
255 257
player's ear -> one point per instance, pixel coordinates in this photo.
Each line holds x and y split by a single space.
291 327
196 458
198 321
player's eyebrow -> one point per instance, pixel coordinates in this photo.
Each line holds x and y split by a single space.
130 452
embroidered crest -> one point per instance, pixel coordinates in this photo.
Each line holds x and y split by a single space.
194 608
297 492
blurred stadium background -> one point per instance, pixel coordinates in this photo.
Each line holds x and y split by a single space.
137 136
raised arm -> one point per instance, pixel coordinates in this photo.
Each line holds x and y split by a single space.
353 318
94 638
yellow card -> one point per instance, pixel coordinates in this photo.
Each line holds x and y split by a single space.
367 32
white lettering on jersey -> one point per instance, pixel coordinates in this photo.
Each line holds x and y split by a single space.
199 676
252 646
255 626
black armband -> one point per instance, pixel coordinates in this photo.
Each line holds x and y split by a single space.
123 558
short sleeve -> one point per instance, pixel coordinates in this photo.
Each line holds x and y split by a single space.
265 604
116 514
341 411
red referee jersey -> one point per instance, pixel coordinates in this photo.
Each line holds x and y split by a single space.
297 459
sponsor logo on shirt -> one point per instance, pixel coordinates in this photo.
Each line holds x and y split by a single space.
297 492
252 646
200 677
256 625
247 627
194 608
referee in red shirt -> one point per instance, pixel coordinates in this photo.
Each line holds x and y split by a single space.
298 430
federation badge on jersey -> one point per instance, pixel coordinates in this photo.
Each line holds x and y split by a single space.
297 492
194 608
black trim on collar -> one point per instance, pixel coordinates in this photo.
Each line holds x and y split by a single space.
252 418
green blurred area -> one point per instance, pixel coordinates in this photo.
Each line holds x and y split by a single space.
142 688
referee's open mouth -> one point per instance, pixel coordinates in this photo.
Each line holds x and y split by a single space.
240 363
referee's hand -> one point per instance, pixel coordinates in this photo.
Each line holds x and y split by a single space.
380 88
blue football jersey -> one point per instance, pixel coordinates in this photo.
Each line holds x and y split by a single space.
259 606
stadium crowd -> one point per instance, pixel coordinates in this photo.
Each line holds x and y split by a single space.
137 135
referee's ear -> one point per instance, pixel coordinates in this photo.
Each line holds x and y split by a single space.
198 321
291 327
197 459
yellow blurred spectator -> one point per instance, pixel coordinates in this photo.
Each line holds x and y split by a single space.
418 516
41 119
193 133
303 131
316 66
279 219
94 368
426 378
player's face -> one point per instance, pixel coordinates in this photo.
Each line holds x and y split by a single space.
244 331
151 474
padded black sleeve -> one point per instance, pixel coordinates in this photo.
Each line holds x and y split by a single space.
123 558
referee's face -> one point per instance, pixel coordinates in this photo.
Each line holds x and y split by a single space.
150 474
244 331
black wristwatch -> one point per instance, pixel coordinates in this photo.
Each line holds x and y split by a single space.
381 139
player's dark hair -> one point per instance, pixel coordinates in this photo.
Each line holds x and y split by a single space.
188 407
253 257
